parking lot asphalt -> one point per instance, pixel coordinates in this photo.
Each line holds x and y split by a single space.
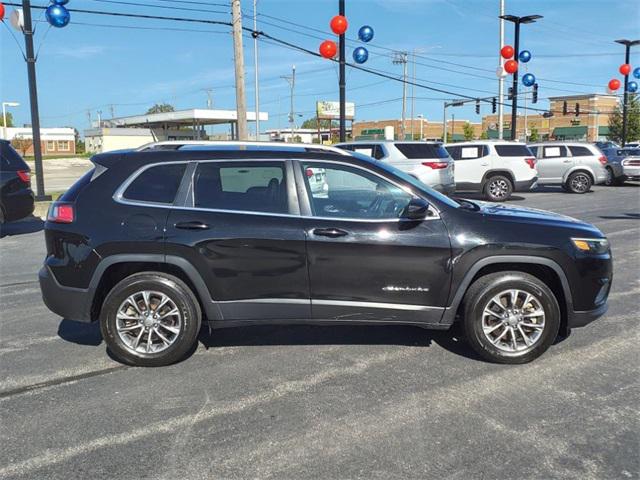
324 402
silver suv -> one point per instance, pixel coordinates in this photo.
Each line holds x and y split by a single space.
573 165
429 162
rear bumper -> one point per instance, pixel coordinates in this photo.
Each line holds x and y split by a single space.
18 205
70 303
525 185
580 319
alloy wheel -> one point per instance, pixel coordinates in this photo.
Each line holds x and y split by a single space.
580 183
148 322
513 321
498 188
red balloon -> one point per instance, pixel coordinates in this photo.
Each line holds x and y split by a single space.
1 12
614 84
339 24
328 49
507 51
511 66
625 69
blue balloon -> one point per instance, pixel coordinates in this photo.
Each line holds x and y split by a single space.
636 72
528 80
365 34
632 87
525 56
57 16
60 2
360 55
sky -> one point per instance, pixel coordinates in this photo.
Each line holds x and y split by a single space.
126 65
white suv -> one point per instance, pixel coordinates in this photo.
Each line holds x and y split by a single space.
429 162
496 169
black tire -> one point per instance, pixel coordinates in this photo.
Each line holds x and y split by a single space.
612 180
188 317
498 188
579 182
479 297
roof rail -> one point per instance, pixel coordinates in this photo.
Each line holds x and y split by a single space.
179 144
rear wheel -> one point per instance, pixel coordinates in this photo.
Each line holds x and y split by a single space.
498 188
611 180
150 319
579 182
510 317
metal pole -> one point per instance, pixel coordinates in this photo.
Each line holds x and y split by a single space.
238 51
4 121
342 82
292 113
525 116
33 100
453 125
444 123
501 78
413 90
514 103
255 68
625 97
404 96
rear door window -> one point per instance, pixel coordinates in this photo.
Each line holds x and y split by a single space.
158 184
422 150
555 151
513 151
578 151
242 186
10 159
471 152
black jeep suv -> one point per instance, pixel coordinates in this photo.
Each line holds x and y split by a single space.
153 242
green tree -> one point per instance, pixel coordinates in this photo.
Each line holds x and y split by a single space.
313 123
161 108
484 135
9 120
534 136
633 121
467 131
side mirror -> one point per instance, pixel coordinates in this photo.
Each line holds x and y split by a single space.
417 209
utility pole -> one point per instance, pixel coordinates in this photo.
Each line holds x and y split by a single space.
238 52
256 86
209 92
291 79
625 98
33 99
99 118
342 80
413 91
112 109
501 77
400 58
517 21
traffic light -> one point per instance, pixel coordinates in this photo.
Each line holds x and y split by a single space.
534 94
565 109
577 109
493 105
510 94
477 107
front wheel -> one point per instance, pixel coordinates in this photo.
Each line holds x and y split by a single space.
498 188
510 317
579 182
150 319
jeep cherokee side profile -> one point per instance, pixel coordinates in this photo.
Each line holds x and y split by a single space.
153 243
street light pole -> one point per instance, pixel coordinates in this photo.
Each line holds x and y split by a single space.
255 67
517 21
501 77
342 81
625 98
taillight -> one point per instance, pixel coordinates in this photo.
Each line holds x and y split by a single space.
309 172
603 160
531 162
61 213
24 175
436 165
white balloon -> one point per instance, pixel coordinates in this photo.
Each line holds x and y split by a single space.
500 73
17 19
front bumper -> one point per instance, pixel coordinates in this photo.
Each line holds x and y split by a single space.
580 319
68 302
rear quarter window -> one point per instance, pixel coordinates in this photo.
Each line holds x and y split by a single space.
513 151
158 184
578 151
10 159
422 150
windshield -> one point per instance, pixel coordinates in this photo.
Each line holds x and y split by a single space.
414 182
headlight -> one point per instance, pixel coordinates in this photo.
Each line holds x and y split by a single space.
591 245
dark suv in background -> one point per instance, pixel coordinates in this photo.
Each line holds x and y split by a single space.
16 196
151 243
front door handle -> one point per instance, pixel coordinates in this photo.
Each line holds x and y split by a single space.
566 161
484 164
330 232
195 225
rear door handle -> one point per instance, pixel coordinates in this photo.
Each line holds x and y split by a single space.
195 225
329 232
484 164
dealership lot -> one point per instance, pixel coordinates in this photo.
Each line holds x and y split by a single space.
324 402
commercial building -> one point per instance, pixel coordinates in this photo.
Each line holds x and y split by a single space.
53 141
135 131
416 128
303 135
